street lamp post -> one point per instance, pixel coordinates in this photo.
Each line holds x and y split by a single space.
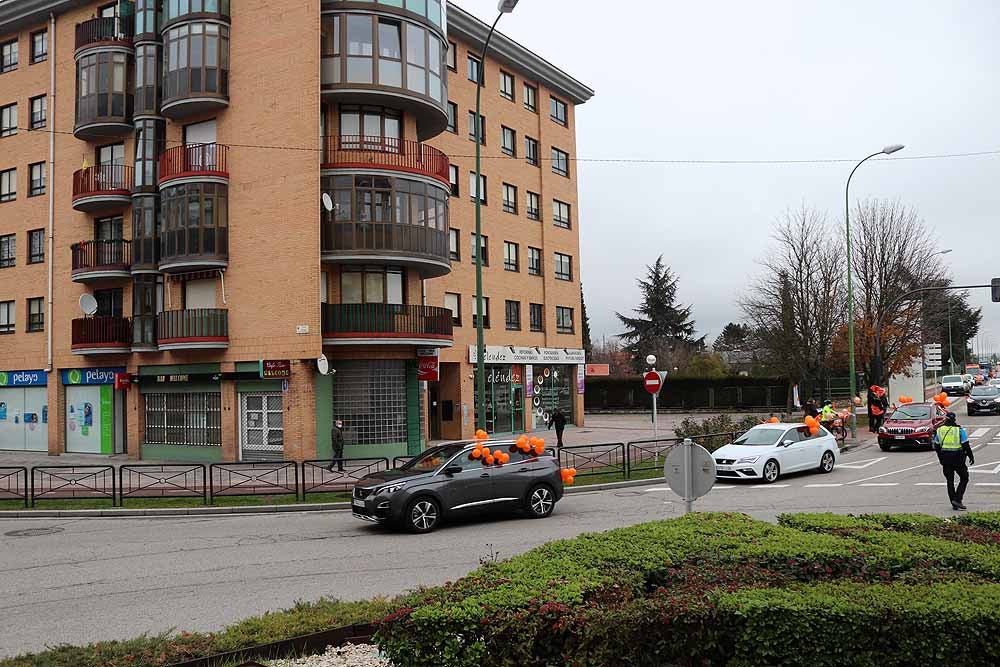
504 7
888 150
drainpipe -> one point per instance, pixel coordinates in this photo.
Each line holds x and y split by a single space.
51 177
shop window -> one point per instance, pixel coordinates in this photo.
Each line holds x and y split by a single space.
193 419
370 398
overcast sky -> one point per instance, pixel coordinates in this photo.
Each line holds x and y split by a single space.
761 81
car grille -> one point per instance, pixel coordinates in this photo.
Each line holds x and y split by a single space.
361 494
900 431
726 473
725 462
985 404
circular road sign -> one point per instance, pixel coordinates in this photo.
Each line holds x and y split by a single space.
702 467
652 382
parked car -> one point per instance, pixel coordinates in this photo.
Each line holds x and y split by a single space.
984 400
995 382
912 424
768 451
445 481
954 385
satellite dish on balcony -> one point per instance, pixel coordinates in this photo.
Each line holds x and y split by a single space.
88 304
323 365
328 202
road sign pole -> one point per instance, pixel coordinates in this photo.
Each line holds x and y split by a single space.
688 444
654 416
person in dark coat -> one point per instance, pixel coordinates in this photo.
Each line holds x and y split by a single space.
558 420
337 438
951 443
810 408
878 404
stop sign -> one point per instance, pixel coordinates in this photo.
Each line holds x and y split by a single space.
652 382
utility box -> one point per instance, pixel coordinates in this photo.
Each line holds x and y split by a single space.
909 383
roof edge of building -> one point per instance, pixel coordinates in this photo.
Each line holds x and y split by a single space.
16 14
502 47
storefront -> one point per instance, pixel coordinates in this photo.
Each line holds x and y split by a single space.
95 412
505 392
24 411
182 412
261 389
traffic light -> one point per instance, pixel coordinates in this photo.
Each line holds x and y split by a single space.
996 290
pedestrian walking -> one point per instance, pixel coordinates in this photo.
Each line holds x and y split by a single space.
337 438
558 420
878 403
951 443
810 409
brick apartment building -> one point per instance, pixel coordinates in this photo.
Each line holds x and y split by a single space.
190 188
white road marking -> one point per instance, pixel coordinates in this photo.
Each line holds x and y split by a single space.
859 465
882 484
657 488
822 486
987 484
771 486
896 472
979 432
723 487
930 483
994 471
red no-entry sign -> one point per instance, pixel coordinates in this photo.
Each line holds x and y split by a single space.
652 382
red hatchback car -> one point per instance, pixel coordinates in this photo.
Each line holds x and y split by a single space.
912 424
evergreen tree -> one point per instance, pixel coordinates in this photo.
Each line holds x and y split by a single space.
660 326
588 346
734 338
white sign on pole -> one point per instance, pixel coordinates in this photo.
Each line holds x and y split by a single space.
499 354
689 470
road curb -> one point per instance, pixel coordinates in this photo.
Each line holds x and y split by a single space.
173 511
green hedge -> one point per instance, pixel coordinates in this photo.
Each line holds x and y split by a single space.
716 589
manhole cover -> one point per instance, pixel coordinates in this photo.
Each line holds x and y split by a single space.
34 532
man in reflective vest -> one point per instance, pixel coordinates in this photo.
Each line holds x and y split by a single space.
951 443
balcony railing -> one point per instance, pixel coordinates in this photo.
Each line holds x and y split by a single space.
102 179
101 256
104 29
357 152
352 237
102 333
380 320
195 160
201 327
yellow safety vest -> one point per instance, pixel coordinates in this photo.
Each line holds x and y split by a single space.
950 437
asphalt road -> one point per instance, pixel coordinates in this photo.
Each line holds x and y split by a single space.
81 580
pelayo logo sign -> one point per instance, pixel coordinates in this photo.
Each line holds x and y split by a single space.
90 376
3 379
23 378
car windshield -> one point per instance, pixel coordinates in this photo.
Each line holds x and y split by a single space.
433 458
911 412
986 392
951 379
759 437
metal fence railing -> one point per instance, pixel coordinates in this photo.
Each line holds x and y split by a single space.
170 480
649 454
73 483
332 475
602 459
14 484
400 461
259 478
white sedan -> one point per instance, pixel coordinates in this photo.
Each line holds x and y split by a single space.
768 451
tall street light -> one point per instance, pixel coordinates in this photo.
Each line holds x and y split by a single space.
951 352
888 150
504 7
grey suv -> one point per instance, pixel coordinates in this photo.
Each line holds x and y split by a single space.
445 481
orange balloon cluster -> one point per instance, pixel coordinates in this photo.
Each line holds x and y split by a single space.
482 435
773 420
905 399
942 400
813 424
568 474
489 457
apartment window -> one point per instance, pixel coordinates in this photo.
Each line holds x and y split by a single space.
372 285
454 250
485 311
534 206
452 117
482 187
564 320
511 259
506 86
531 98
472 128
453 179
7 317
36 174
8 56
557 111
560 162
534 261
536 313
474 67
36 314
484 248
36 246
453 302
370 128
560 214
8 120
531 150
8 251
564 267
508 141
390 54
512 315
509 198
8 185
39 112
39 46
452 56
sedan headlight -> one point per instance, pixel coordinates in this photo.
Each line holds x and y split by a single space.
883 429
389 490
748 459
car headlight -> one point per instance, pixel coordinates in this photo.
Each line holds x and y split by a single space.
748 459
883 429
389 490
997 399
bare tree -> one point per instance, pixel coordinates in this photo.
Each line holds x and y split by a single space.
796 305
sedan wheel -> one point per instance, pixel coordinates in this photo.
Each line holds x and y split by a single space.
771 472
826 463
422 515
541 502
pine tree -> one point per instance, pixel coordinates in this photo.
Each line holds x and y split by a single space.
588 346
660 326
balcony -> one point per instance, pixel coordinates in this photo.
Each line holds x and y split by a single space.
105 188
102 335
196 162
408 157
197 329
422 248
104 32
386 324
101 260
